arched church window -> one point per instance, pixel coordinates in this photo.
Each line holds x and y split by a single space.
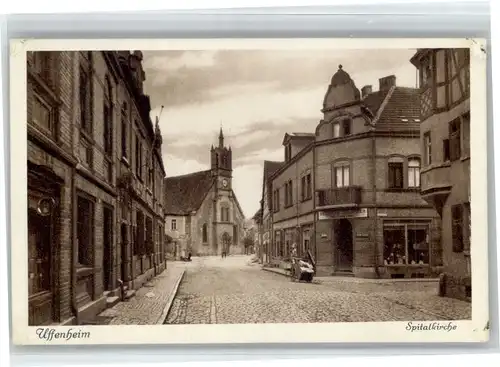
205 233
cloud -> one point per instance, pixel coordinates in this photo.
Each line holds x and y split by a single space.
260 156
177 166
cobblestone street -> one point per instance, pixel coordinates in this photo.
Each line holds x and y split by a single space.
232 290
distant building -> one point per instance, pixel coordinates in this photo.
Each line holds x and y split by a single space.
266 211
444 76
350 192
205 205
94 166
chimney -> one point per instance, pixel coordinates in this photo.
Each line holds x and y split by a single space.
387 82
367 89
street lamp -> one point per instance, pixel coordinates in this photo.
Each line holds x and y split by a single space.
45 206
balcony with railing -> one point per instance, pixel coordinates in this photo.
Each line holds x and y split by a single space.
339 197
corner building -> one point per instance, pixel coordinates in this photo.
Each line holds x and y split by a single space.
444 76
360 211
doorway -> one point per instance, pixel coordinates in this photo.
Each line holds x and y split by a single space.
226 242
108 257
343 245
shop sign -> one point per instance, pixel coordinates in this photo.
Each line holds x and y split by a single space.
338 214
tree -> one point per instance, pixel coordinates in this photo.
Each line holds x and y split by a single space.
248 242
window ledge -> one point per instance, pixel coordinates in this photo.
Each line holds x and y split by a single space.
406 265
84 271
432 166
407 189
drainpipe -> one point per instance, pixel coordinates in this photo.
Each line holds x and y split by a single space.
374 191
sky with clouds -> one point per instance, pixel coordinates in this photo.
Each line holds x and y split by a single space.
257 96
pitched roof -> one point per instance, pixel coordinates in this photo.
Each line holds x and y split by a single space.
401 110
374 100
270 167
186 193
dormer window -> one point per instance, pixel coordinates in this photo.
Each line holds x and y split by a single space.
341 128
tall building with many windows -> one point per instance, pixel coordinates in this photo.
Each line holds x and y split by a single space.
83 186
350 191
444 76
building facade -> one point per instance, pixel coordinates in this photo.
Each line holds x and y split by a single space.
214 221
360 212
444 76
266 213
75 260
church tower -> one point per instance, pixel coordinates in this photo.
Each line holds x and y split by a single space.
222 163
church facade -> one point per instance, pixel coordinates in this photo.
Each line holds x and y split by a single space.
203 214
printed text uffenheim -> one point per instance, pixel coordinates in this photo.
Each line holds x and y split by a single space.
50 334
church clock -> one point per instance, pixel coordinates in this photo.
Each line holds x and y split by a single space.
225 183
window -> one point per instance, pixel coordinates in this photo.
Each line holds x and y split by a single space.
427 148
276 200
173 224
426 74
406 243
43 114
346 127
108 118
149 235
414 172
85 227
306 241
140 235
42 61
279 247
446 150
457 218
455 139
305 189
395 175
308 186
336 130
342 172
205 233
224 214
138 157
124 137
288 194
85 95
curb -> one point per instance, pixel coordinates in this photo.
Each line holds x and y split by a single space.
171 298
271 270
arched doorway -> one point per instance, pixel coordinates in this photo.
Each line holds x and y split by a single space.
343 245
226 242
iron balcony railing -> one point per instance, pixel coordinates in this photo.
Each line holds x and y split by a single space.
348 196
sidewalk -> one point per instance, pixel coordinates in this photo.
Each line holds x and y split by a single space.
333 279
151 303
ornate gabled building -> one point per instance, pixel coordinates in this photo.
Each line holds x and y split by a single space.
444 76
93 162
350 192
203 213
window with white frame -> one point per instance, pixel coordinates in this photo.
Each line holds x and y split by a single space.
427 148
342 173
173 224
414 173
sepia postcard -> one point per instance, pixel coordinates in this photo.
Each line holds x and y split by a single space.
248 191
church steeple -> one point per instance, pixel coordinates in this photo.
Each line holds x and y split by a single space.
221 157
221 138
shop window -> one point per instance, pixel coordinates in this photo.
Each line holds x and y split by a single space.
85 229
406 244
39 253
414 173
